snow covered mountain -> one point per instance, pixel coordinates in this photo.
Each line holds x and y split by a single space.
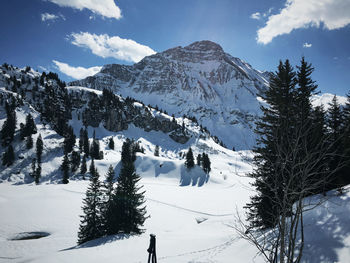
193 222
198 80
55 108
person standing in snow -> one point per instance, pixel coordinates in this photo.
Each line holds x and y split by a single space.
152 249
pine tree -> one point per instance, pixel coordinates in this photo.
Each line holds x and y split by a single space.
335 119
335 124
199 159
306 88
111 143
206 163
69 140
29 127
86 145
8 156
33 168
37 174
8 129
91 222
74 161
129 200
81 139
83 167
108 208
65 169
92 167
156 150
127 155
275 129
319 136
39 148
189 163
29 142
126 212
95 148
346 141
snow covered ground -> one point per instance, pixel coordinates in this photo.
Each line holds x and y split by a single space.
192 223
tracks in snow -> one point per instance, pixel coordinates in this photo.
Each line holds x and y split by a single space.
204 255
189 210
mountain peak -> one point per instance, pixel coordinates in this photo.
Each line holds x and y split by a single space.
204 45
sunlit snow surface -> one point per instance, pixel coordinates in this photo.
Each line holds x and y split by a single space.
174 211
174 214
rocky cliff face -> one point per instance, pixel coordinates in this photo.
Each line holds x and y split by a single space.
199 80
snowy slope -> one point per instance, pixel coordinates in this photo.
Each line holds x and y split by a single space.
174 215
325 99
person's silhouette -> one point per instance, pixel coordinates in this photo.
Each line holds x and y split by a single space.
152 249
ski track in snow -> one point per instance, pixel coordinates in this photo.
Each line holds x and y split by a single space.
71 191
189 210
167 204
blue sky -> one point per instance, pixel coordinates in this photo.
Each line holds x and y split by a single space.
76 37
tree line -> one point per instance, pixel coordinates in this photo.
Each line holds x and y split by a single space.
302 150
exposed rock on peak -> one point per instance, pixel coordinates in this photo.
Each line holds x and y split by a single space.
199 80
204 45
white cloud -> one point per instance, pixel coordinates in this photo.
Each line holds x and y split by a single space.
42 68
51 17
333 14
268 12
106 8
307 45
116 47
256 16
76 72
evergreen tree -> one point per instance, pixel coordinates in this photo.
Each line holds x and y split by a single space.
65 169
189 163
130 213
81 139
199 159
335 119
69 140
29 142
206 163
8 129
111 143
92 168
91 222
83 167
37 174
127 156
275 128
86 145
95 148
319 136
346 141
29 127
8 156
74 161
156 150
32 174
126 213
39 148
306 88
108 209
336 129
